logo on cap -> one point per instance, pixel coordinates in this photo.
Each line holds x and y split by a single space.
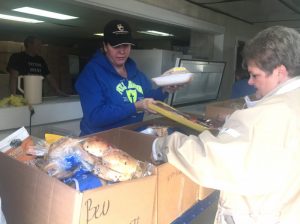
120 29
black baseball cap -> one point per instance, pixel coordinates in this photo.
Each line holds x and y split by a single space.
117 32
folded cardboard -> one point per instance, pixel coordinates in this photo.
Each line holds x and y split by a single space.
178 116
175 191
30 196
221 109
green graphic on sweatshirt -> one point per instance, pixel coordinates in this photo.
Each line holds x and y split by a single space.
131 90
131 95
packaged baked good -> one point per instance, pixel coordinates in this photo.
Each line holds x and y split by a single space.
116 165
17 144
174 76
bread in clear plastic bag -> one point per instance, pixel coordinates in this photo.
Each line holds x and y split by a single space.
117 165
93 154
95 145
66 156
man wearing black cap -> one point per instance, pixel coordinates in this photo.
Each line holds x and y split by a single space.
113 92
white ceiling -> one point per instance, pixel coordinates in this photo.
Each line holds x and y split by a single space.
266 12
92 19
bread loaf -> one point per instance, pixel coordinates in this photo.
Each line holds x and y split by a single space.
95 145
116 165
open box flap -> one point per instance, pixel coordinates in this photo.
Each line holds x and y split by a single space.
31 196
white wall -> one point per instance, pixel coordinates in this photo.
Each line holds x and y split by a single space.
201 45
234 30
223 29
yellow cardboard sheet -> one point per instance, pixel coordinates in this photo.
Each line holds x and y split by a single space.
180 117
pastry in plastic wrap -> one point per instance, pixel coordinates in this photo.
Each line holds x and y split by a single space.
65 157
68 156
95 145
19 145
156 130
174 76
117 165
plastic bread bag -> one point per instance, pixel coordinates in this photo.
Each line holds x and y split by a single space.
159 130
95 145
116 165
39 148
65 156
55 168
16 144
155 130
96 154
83 180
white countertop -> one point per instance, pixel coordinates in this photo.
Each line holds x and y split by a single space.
58 113
51 110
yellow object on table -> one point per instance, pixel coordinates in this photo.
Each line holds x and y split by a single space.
180 117
51 138
13 100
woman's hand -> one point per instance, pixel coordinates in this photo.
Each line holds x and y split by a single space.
172 89
142 105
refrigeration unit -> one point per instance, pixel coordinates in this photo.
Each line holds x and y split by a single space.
207 75
205 85
154 62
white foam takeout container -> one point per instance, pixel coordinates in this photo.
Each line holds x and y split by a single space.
176 79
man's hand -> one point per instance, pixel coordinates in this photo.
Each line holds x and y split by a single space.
13 81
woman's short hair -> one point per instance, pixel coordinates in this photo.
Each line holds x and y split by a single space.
272 47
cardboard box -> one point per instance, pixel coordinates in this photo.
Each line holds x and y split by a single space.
30 196
4 58
10 46
176 192
219 110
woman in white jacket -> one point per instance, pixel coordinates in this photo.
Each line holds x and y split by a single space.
254 159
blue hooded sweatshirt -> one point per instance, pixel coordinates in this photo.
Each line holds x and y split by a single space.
107 99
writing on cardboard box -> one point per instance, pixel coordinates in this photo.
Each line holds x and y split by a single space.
173 175
135 220
96 210
99 210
